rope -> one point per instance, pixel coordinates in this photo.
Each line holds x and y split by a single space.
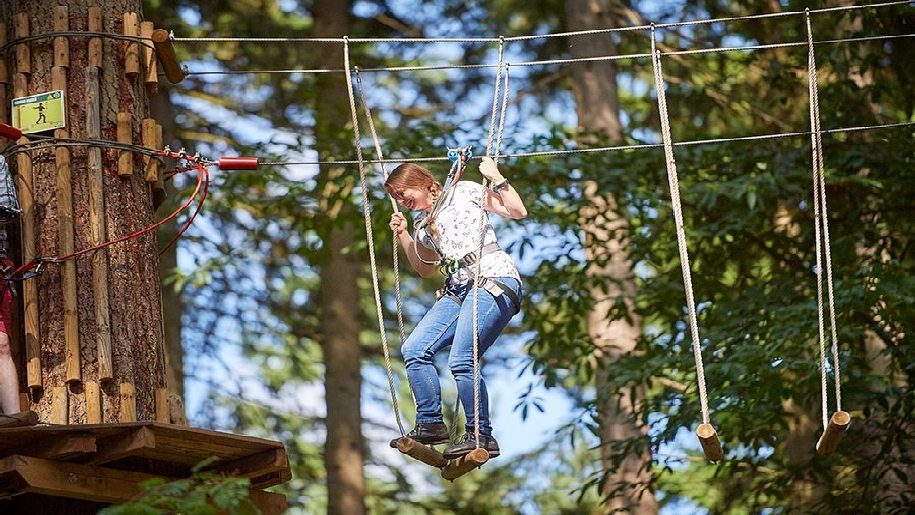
678 220
201 188
505 91
478 265
147 42
546 62
821 219
430 40
367 215
618 148
384 172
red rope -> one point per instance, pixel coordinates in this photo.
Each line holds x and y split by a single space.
200 189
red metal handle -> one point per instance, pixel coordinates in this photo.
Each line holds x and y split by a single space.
10 132
237 163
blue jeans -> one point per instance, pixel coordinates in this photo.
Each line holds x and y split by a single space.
449 322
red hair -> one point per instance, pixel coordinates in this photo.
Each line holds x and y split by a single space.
411 175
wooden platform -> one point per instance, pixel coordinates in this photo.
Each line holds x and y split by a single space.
105 463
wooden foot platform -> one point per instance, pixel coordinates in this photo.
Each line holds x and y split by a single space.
451 469
105 463
460 466
832 435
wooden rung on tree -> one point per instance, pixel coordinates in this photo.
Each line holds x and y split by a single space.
95 44
61 43
166 53
418 451
460 466
132 55
125 135
150 73
708 438
832 435
23 51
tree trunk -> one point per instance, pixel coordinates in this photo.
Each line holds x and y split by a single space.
82 304
606 241
339 292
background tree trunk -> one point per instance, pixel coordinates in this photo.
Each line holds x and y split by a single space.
606 240
339 293
134 313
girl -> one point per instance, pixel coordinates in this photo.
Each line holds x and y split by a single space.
452 240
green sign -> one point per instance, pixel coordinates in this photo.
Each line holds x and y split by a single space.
39 113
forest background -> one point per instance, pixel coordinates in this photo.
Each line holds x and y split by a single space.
269 296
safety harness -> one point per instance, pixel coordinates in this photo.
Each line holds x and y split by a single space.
493 286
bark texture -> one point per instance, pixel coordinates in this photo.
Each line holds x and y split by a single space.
606 240
339 295
135 322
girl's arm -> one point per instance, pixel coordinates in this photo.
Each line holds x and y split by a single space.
399 226
506 201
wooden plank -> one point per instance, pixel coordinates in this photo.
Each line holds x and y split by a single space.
86 482
60 405
132 52
23 418
124 445
61 447
128 404
125 135
162 406
23 50
93 402
4 71
59 78
270 503
61 44
148 134
65 246
25 188
255 465
151 76
271 479
4 100
95 44
176 410
95 181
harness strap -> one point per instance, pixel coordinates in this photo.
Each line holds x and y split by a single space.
472 258
497 287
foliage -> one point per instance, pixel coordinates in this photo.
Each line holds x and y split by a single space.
749 229
203 493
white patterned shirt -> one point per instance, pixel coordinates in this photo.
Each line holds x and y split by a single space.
458 226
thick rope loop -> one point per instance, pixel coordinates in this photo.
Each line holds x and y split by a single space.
384 171
821 223
674 184
367 215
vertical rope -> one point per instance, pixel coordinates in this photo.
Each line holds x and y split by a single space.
501 129
821 220
478 265
495 98
674 184
367 214
384 172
